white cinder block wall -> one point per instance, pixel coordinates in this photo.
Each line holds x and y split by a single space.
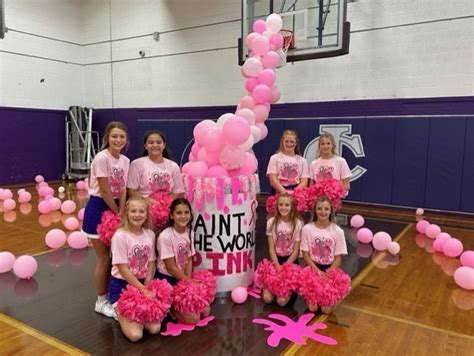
399 49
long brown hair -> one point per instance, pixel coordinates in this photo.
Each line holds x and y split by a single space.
294 216
174 204
323 198
110 126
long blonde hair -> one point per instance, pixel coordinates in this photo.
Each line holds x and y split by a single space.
125 224
289 132
294 216
333 141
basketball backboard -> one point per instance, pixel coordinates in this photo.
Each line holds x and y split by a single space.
319 27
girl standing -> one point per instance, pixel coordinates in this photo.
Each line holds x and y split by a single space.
328 165
323 244
107 191
283 235
133 260
288 170
154 172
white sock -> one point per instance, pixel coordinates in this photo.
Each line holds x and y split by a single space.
102 298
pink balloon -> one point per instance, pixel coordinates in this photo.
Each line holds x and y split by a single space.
55 238
9 204
80 214
365 235
267 77
467 258
71 223
256 133
277 40
185 168
252 66
261 93
236 130
275 94
464 277
41 185
43 191
39 179
249 39
259 26
224 117
261 113
68 207
45 207
452 247
24 197
246 114
357 221
439 241
421 226
250 164
274 23
381 241
250 84
247 102
213 158
260 45
263 130
394 248
432 231
201 129
198 169
80 185
216 172
214 140
25 267
55 203
232 157
6 194
195 148
271 59
77 240
6 261
239 295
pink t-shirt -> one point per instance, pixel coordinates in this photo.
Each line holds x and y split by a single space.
134 250
149 177
105 165
173 244
288 169
323 244
323 169
283 237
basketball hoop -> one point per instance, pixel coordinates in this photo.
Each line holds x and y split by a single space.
288 43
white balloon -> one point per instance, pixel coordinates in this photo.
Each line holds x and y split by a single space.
274 23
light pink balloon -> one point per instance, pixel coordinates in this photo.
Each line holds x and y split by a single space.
224 117
439 241
80 214
260 45
195 148
25 267
39 179
357 221
44 207
71 223
6 194
261 93
239 295
43 191
68 207
6 261
216 172
261 113
55 203
9 204
394 248
267 77
259 26
263 130
421 226
250 164
198 169
464 277
275 94
55 238
247 145
77 240
249 39
41 185
252 66
247 102
80 185
467 258
274 23
251 83
246 114
214 140
236 130
213 158
277 40
432 231
232 157
452 247
201 129
381 241
419 211
365 235
185 168
24 197
271 59
256 133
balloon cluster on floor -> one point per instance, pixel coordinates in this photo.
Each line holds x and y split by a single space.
381 241
24 266
223 148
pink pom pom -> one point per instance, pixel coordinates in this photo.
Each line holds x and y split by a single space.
160 210
135 306
188 297
285 281
310 284
207 282
265 270
109 223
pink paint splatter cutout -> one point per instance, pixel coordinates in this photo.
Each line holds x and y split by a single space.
175 329
254 292
294 331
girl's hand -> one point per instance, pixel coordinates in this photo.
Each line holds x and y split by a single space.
147 293
278 267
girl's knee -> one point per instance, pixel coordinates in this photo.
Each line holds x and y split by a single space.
153 328
282 301
134 335
267 296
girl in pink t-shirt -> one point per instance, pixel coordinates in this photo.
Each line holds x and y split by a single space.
107 191
328 164
323 244
283 235
133 260
288 170
175 250
154 172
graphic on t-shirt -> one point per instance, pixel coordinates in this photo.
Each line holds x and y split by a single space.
160 181
116 181
321 250
289 172
324 173
182 257
283 243
138 260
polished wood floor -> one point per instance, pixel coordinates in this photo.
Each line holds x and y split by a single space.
408 304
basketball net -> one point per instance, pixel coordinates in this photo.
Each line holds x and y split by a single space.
288 43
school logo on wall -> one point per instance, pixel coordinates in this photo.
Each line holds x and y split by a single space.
343 137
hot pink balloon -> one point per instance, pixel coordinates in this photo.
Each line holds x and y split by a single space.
259 26
71 223
25 267
252 66
239 295
357 221
44 207
271 59
432 231
77 240
464 277
213 158
261 93
236 130
381 241
421 226
9 204
251 83
267 77
216 172
365 235
55 238
68 207
277 40
452 247
261 113
260 45
6 261
24 197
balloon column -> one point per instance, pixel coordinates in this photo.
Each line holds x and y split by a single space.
222 148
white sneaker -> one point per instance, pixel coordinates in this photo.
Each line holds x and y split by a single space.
105 308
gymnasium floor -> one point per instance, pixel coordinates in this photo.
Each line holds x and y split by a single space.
408 304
